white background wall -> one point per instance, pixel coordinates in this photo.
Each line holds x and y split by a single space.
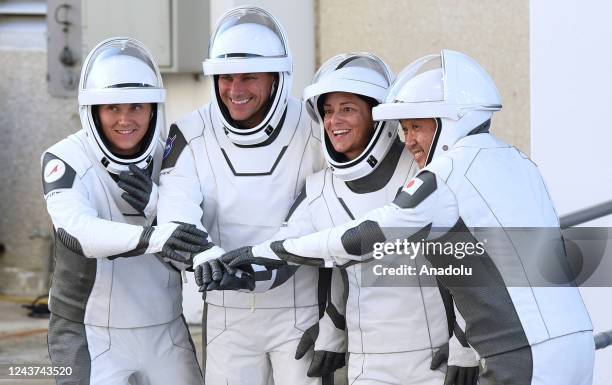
571 135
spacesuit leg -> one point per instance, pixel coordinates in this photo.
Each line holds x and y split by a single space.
286 370
113 359
234 354
564 360
406 368
68 348
152 355
170 356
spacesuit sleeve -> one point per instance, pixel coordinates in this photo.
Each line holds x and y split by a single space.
180 197
76 220
413 210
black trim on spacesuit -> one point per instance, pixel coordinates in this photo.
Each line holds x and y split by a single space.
345 207
70 242
406 201
300 198
333 313
360 240
278 249
73 280
323 288
269 130
283 274
483 128
175 144
379 178
492 322
66 181
434 142
141 248
276 162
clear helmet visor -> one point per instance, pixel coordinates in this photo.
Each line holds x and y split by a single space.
248 39
365 75
359 73
448 85
120 70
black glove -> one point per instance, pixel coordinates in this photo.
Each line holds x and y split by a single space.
455 375
243 258
186 238
138 186
323 363
217 275
237 280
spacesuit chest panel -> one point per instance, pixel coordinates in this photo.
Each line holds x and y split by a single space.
254 187
248 192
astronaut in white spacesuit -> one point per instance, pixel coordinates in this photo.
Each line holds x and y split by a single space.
393 332
475 189
116 306
234 167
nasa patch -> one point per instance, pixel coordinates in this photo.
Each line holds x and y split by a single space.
169 144
54 170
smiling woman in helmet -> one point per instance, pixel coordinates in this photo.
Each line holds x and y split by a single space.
124 126
113 299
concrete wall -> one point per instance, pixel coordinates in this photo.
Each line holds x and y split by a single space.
494 32
30 121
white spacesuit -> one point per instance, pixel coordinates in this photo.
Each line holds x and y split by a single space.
116 307
239 183
475 189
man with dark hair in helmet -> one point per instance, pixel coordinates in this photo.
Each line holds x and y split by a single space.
392 331
234 167
523 314
113 302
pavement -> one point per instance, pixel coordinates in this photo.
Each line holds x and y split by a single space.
23 340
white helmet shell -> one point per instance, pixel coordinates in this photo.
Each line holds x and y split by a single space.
457 90
250 40
120 70
359 73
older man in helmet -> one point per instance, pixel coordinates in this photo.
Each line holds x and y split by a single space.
234 167
523 314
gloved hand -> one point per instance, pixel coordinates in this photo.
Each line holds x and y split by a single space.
323 362
177 243
246 256
212 273
140 191
455 374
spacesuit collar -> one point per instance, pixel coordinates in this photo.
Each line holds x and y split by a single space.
381 175
481 129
